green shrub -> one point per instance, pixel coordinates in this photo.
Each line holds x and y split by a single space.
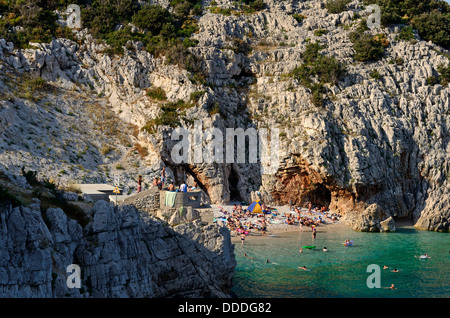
367 47
152 18
303 73
178 54
299 17
375 74
214 109
37 19
444 72
241 46
317 91
195 96
435 27
170 115
183 8
432 80
256 5
326 69
406 34
399 61
220 10
101 17
337 6
311 52
320 32
157 93
431 18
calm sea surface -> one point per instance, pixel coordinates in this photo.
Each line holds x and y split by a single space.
342 272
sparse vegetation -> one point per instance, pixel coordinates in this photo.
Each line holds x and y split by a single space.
25 21
367 47
105 149
337 6
299 17
406 34
444 72
195 96
157 93
239 7
432 80
320 32
431 18
326 69
170 115
375 75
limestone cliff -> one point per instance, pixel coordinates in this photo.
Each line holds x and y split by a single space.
120 252
379 137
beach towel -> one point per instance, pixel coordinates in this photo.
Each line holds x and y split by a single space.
170 198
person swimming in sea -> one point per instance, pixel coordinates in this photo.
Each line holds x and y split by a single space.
391 287
248 256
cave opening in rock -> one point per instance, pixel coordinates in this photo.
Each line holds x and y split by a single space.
320 196
233 180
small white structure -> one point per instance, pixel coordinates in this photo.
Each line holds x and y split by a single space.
97 191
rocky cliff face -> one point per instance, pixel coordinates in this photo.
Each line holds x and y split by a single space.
378 138
121 253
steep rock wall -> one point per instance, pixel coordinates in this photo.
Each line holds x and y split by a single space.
382 141
121 253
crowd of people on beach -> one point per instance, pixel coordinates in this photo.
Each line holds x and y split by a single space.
242 222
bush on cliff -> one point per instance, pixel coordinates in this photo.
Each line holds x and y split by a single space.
326 69
367 47
431 18
337 6
444 72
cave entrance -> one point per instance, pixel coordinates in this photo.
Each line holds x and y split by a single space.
320 196
233 180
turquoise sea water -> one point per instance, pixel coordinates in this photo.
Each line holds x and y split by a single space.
342 272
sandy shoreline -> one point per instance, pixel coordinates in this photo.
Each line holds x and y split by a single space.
282 227
273 229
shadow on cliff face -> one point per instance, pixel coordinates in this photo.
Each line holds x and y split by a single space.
227 108
362 169
120 253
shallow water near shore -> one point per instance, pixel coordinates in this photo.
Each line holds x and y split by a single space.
342 271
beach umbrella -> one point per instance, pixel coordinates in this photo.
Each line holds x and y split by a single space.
255 207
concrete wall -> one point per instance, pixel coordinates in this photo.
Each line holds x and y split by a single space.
147 200
183 199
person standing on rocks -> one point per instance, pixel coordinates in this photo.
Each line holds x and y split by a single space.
163 176
139 184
